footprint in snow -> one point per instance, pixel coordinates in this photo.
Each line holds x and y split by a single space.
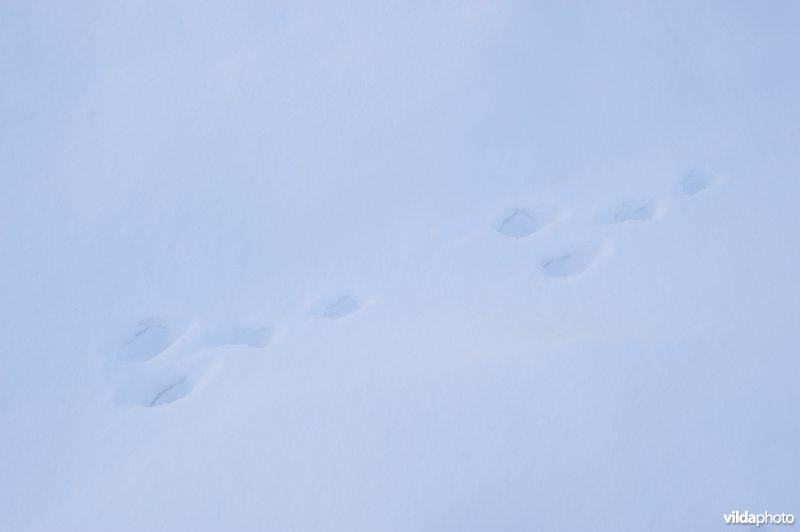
697 180
633 211
338 307
170 393
147 340
254 337
574 260
525 221
155 389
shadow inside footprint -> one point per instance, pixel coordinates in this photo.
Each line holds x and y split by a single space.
573 261
171 393
339 307
523 222
635 211
149 339
696 181
154 390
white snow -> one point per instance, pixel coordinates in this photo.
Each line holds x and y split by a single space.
398 266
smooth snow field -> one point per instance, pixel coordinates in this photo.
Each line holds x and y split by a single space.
377 266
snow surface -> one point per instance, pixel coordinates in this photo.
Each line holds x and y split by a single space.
398 266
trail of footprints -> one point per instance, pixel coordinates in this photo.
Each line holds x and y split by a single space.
164 363
171 361
575 259
525 221
167 361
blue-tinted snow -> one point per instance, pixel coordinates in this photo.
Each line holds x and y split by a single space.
412 266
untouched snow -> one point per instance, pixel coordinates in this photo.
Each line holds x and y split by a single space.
398 266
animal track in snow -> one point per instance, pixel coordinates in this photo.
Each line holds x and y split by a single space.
172 392
696 181
155 390
150 338
524 222
339 306
255 337
635 211
573 261
158 382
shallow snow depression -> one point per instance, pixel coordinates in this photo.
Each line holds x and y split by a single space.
443 266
